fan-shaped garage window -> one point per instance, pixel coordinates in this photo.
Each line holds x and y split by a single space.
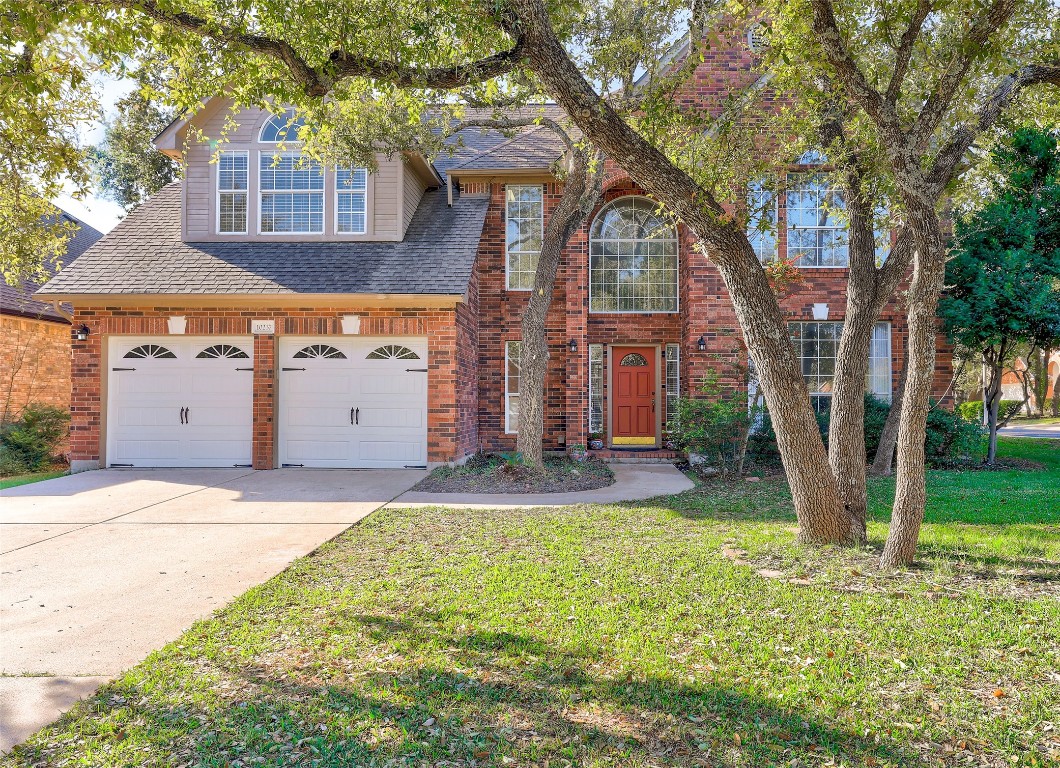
223 350
632 259
150 350
633 360
392 352
320 350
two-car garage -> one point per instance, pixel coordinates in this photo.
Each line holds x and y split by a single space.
344 402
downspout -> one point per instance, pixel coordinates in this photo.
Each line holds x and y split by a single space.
57 305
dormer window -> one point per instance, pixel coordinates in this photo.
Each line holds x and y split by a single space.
232 186
282 128
351 200
292 194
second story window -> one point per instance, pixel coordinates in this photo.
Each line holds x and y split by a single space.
762 220
524 211
817 227
351 200
232 193
292 194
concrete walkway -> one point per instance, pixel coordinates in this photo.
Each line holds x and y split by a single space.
99 569
1031 430
632 483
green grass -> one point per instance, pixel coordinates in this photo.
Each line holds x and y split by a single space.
629 635
1047 420
35 477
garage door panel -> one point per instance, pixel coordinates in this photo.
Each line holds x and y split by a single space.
176 409
318 450
391 384
391 417
146 416
390 451
148 449
232 451
389 403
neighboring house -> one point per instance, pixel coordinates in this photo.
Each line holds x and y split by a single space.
266 313
35 338
1012 383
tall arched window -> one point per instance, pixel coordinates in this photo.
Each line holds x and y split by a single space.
632 259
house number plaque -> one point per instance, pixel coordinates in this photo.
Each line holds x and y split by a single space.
262 327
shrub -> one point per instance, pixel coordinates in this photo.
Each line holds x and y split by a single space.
713 425
30 443
972 410
949 435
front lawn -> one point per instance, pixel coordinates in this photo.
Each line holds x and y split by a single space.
684 631
14 481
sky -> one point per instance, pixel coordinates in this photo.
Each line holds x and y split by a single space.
95 211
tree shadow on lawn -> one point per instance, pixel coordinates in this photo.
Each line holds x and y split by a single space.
767 501
496 698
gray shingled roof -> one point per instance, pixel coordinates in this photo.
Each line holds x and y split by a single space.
15 300
531 148
144 254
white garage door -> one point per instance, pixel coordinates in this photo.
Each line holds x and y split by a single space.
353 402
180 401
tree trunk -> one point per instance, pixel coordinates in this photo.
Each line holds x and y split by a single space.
581 191
822 517
924 289
883 463
992 394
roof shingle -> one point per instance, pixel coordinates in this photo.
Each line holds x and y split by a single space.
145 254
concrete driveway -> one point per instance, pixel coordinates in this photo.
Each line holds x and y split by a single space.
99 569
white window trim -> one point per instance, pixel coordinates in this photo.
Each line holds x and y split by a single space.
508 427
788 227
268 121
218 190
677 242
507 260
603 372
671 396
887 396
323 196
339 191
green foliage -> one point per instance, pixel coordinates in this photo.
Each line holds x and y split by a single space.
972 410
30 443
713 425
128 166
1004 269
949 435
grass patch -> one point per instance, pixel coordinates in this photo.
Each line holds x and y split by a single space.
1035 422
34 477
613 635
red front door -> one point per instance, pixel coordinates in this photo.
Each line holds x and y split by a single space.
633 395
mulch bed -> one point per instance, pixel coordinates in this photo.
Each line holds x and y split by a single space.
489 473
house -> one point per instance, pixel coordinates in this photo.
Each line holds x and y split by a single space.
35 337
271 313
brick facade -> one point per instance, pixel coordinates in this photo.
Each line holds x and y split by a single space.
451 423
34 363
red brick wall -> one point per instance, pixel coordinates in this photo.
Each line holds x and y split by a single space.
450 428
34 364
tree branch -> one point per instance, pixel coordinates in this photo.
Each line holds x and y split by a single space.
1008 89
905 51
317 81
938 103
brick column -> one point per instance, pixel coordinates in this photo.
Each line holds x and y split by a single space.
576 267
264 425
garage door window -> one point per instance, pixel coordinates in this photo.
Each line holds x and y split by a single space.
392 352
223 350
150 350
319 350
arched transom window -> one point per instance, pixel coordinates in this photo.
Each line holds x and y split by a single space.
632 259
281 128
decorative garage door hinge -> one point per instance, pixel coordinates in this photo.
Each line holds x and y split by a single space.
292 465
123 369
122 465
416 370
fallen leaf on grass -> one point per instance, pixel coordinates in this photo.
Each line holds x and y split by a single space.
769 573
998 693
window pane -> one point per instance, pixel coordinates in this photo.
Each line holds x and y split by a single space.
232 170
596 388
512 353
351 185
524 231
673 382
292 194
633 267
816 224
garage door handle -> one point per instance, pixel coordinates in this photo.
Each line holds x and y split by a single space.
245 369
357 417
351 415
187 415
181 415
